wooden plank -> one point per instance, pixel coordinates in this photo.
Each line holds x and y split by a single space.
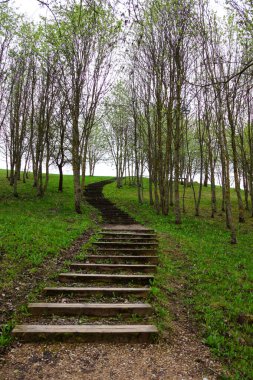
122 233
127 238
128 229
86 333
125 243
133 251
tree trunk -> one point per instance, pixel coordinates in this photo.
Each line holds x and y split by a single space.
60 186
76 165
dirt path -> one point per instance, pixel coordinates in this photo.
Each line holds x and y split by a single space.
178 355
182 357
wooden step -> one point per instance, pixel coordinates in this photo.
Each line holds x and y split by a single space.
118 278
128 229
90 309
125 244
114 267
128 234
122 258
86 333
93 291
133 251
128 239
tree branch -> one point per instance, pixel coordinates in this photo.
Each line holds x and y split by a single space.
43 3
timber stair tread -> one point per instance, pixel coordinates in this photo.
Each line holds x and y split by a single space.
83 277
122 250
91 309
124 243
86 333
129 240
119 230
127 237
127 234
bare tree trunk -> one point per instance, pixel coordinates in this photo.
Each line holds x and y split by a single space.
60 186
206 173
76 165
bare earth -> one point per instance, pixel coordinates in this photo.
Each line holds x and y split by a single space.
184 357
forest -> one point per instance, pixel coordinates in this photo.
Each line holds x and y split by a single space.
160 90
164 89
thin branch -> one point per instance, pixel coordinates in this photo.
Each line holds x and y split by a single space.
43 3
237 74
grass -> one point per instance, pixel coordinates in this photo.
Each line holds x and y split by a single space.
218 276
33 228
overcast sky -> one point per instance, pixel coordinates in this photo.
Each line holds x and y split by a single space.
33 10
30 7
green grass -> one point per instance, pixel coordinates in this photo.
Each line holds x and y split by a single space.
33 228
218 276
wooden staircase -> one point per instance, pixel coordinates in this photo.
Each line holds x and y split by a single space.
90 303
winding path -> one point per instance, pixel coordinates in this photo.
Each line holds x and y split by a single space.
79 302
100 299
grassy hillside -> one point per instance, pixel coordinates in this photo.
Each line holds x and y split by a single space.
217 276
33 228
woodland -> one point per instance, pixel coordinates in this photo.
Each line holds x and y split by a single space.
162 90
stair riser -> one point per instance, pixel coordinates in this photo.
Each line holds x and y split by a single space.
117 220
108 210
105 312
126 237
127 230
129 240
116 244
98 292
110 280
126 251
72 337
116 215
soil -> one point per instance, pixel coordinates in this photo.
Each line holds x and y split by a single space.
182 356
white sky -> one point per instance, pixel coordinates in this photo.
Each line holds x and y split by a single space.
30 8
33 10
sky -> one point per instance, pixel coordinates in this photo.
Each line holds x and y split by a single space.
33 10
30 8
